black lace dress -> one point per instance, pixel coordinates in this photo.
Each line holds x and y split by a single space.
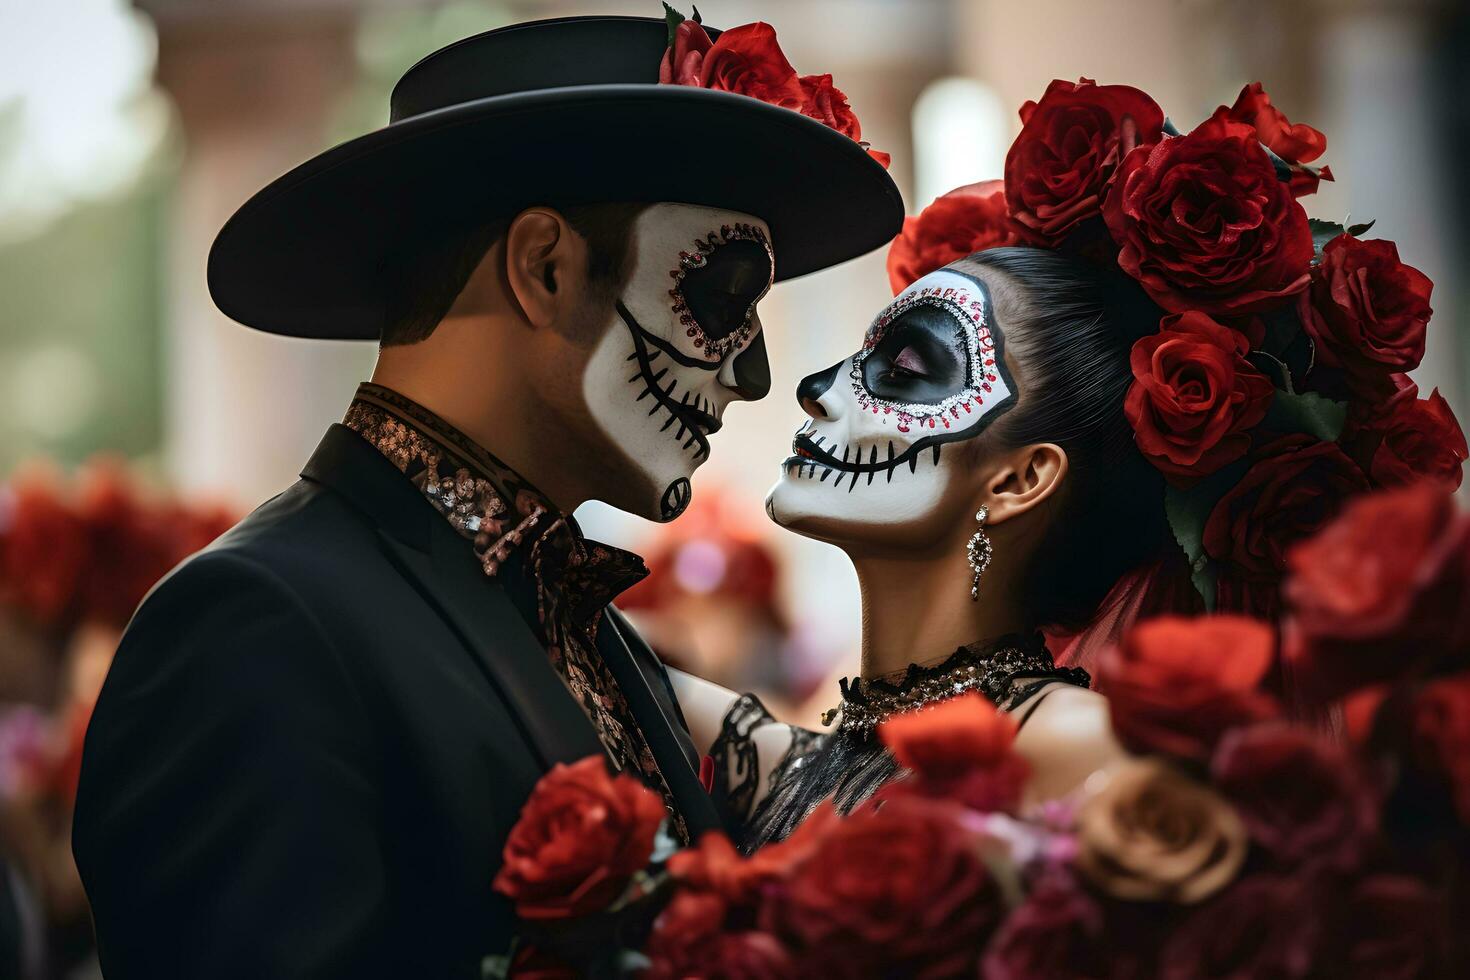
848 763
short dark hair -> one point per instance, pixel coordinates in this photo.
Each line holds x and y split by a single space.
427 271
1071 336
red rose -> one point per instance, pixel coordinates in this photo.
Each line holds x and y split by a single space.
133 544
1069 148
580 838
895 891
1393 929
968 219
825 103
1418 439
1301 799
1175 685
748 955
44 549
1295 144
684 59
1294 487
714 865
1441 735
1263 926
1383 592
1194 395
683 933
1056 933
959 749
1204 224
747 60
1367 312
689 941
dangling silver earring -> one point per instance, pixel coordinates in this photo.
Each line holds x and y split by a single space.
978 552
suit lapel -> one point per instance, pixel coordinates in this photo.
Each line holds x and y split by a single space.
442 568
659 729
509 654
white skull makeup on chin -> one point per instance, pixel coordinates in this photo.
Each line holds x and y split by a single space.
685 341
931 373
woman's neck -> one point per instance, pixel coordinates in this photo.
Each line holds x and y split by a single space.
920 611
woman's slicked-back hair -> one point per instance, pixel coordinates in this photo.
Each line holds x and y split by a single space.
1070 331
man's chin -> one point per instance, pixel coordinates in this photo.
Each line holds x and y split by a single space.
659 497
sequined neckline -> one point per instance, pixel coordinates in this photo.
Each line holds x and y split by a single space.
985 667
899 681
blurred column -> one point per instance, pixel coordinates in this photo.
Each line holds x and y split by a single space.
254 89
1378 108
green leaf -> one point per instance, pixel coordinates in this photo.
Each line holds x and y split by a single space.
1306 412
631 961
495 967
1323 232
1169 128
1206 579
672 19
665 845
1272 367
697 19
1188 509
1283 169
1359 230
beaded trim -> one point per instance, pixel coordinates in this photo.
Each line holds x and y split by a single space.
715 348
865 704
981 376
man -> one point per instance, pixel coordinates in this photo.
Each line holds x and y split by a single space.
318 733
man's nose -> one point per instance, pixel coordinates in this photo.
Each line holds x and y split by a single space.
748 373
810 389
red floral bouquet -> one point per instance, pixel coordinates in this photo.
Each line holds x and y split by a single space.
77 556
88 550
1233 842
748 60
1274 386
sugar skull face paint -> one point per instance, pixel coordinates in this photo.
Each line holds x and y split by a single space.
685 341
931 373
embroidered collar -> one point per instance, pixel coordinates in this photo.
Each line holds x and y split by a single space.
985 667
492 505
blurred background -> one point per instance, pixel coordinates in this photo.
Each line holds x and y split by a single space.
131 129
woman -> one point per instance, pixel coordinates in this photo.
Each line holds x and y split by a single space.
974 462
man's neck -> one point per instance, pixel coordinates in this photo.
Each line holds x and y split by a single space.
487 409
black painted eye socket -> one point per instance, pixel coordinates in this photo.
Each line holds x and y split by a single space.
720 293
919 359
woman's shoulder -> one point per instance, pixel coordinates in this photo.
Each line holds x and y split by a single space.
1066 736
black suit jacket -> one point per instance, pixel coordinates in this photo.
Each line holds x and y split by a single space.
316 736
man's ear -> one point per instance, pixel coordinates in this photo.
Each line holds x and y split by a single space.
545 265
1024 478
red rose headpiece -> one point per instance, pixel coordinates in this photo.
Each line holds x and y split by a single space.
1274 386
747 60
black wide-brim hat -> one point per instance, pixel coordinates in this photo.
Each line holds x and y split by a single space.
558 111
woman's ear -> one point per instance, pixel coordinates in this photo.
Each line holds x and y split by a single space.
545 265
1024 478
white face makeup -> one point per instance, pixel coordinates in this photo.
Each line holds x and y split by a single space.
931 372
685 341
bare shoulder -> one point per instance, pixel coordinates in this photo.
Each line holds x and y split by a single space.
1066 738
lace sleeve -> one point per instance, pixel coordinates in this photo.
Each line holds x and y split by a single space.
737 763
